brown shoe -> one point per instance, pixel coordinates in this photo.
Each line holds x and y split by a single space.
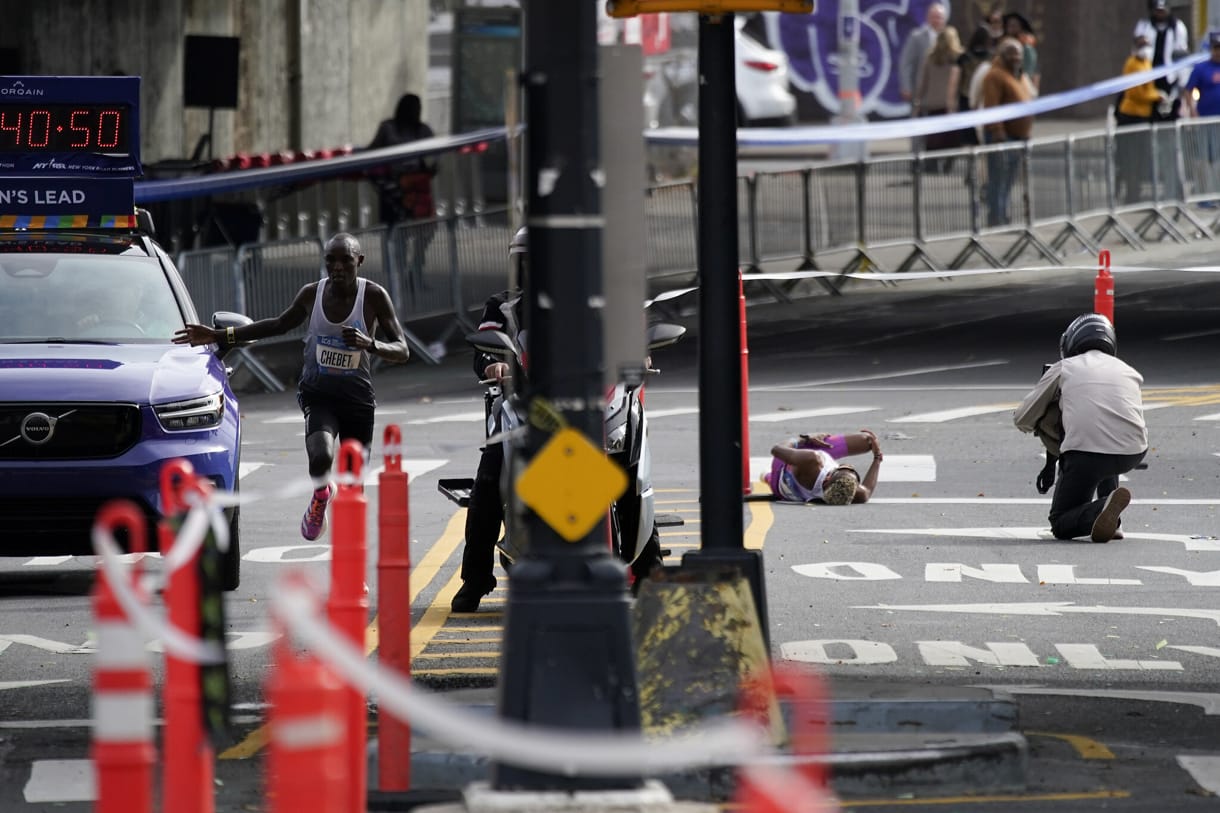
1105 527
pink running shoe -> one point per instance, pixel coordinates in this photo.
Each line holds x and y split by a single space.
314 521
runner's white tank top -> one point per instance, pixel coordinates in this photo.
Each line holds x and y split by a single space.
331 367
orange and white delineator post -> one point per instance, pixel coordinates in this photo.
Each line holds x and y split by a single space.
806 788
187 777
393 609
122 750
347 608
1103 287
307 750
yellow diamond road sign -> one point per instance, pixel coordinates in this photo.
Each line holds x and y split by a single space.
570 483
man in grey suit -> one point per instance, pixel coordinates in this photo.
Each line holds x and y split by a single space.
915 51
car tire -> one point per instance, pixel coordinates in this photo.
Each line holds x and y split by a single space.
230 565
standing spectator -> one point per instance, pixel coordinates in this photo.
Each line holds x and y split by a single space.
1104 435
976 57
916 49
914 52
344 314
995 27
1017 27
1170 42
1003 85
1133 157
1205 78
936 91
405 189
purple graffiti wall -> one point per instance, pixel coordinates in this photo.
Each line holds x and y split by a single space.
811 43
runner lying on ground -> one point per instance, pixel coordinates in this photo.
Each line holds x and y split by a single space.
806 469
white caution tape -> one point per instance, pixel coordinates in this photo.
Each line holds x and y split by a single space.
177 642
555 751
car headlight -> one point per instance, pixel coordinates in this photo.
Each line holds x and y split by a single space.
204 412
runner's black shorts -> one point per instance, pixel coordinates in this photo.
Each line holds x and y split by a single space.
336 416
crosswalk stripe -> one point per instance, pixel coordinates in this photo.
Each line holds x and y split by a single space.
454 417
1213 417
897 468
943 415
669 413
801 414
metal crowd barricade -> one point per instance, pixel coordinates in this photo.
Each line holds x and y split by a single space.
211 281
480 263
1094 185
1201 161
670 212
271 274
1050 163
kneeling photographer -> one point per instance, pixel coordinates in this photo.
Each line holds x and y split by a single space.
1103 435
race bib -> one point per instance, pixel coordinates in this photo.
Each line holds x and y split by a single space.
335 357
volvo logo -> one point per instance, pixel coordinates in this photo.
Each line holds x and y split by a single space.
37 428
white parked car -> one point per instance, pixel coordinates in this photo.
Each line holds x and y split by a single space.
763 95
671 83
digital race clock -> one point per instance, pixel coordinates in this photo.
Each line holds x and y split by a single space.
64 128
70 125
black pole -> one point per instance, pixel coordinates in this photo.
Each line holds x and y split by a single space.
568 659
720 397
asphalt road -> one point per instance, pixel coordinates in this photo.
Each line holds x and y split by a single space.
948 576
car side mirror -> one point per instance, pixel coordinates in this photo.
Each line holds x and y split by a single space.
227 319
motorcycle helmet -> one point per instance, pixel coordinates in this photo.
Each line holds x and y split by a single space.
518 259
1090 331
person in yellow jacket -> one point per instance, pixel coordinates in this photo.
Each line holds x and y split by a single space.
1133 150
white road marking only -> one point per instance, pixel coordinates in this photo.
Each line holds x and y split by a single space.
1034 533
1204 770
953 414
61 780
801 414
897 468
246 469
453 417
1049 608
25 684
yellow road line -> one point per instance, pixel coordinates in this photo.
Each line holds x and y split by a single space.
462 654
761 519
1000 799
477 670
422 575
1087 748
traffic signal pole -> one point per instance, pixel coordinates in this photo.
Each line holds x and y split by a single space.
568 659
720 369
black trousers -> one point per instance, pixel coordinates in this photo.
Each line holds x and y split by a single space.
484 515
1074 508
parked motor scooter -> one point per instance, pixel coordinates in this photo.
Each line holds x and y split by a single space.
634 534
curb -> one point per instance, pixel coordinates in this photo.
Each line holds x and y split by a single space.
888 740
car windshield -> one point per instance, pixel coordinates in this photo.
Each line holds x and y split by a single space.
85 299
